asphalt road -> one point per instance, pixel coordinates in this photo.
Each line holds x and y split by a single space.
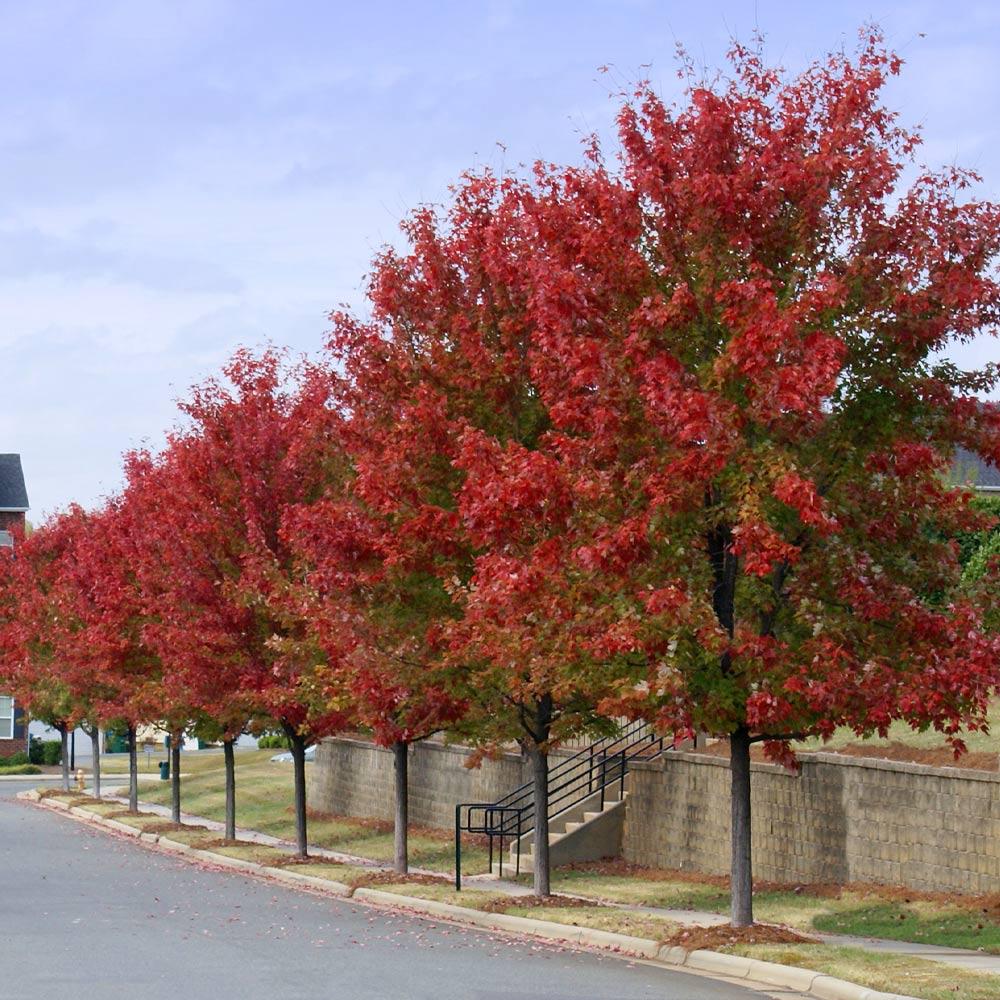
84 912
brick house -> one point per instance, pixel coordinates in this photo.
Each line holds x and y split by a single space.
13 507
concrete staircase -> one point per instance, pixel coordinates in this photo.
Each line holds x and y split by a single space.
587 800
585 831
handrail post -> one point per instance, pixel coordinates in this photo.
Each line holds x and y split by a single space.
517 863
458 848
621 793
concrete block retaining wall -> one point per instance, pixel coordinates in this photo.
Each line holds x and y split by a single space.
355 778
841 819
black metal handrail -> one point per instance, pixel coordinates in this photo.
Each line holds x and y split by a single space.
594 769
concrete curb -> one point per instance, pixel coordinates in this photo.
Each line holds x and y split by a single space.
714 963
323 885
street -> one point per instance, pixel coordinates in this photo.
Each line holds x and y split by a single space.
84 912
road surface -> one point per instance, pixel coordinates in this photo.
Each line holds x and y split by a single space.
85 912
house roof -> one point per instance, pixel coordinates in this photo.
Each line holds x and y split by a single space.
976 472
13 495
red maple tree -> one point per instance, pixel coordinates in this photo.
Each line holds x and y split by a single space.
461 523
218 574
740 338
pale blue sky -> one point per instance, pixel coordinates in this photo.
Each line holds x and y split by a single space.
178 178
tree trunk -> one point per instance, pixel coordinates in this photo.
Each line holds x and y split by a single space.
298 748
540 779
133 772
95 751
175 775
227 750
64 760
741 872
399 753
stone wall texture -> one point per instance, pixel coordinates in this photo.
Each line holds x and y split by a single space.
841 819
355 778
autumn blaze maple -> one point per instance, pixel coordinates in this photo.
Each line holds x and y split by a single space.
443 423
740 339
373 620
71 638
668 439
686 424
32 621
217 568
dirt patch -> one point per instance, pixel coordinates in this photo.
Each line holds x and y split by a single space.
942 756
540 902
978 760
714 938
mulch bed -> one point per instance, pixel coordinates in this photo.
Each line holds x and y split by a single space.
168 827
975 760
540 902
713 938
293 860
370 879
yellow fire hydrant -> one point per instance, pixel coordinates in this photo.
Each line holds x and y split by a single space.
79 779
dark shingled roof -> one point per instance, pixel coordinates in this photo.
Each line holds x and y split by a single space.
13 495
975 472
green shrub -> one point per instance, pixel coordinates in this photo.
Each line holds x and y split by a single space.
44 751
19 769
273 741
14 760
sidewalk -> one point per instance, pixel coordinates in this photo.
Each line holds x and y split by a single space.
960 958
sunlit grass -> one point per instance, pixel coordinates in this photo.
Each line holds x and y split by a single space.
856 913
879 971
900 732
264 802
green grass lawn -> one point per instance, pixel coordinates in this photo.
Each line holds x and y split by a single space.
900 732
264 802
605 918
193 762
324 868
864 914
890 973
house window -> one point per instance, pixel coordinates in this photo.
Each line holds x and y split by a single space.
6 717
